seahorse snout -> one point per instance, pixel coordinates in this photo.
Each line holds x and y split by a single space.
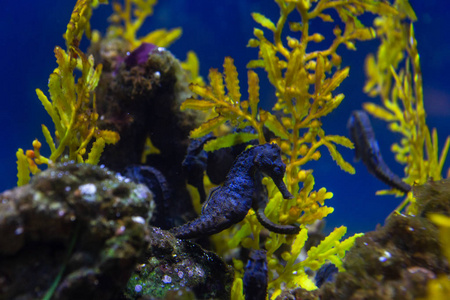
282 187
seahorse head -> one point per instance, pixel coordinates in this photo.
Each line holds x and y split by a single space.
268 161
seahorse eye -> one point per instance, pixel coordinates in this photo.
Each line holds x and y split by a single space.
277 170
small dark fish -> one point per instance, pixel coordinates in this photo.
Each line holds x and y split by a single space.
256 276
366 149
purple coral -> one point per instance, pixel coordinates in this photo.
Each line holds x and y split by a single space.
139 55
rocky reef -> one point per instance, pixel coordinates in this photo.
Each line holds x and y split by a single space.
139 95
84 221
78 231
117 231
173 265
397 260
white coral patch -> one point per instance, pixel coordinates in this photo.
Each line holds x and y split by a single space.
88 189
138 219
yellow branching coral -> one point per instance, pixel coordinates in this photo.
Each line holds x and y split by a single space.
305 83
72 104
128 19
402 100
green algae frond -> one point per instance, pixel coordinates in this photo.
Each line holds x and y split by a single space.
71 105
305 82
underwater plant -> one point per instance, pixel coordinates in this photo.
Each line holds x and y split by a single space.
72 104
439 288
128 18
305 75
72 97
305 82
395 76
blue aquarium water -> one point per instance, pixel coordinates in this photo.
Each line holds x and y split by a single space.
215 29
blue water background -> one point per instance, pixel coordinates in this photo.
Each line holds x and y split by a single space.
215 29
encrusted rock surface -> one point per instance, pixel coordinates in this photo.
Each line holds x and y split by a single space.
139 96
177 265
85 218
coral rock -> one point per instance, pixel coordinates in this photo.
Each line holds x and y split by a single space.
139 97
85 218
177 265
397 260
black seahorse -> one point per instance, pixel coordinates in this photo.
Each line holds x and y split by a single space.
157 183
216 163
366 149
256 276
195 164
230 203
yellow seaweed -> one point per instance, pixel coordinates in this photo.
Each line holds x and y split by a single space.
400 90
439 288
72 102
128 18
305 83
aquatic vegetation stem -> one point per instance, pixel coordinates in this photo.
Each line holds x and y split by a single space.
49 294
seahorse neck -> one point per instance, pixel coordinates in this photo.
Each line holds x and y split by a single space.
243 166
